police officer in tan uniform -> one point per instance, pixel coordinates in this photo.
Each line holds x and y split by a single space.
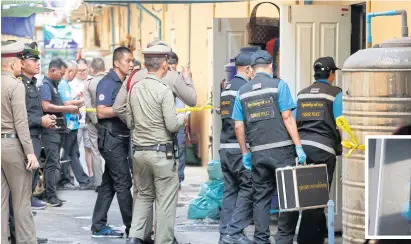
181 86
152 108
36 121
17 153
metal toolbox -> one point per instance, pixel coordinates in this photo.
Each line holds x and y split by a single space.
302 187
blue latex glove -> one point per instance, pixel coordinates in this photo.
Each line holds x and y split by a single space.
247 160
301 154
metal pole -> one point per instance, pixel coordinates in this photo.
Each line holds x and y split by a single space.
330 205
380 161
128 19
112 28
189 34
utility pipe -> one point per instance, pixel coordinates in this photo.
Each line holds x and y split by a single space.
248 8
112 28
164 19
404 29
158 20
140 28
330 223
128 19
189 33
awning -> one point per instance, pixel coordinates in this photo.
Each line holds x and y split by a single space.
24 11
158 1
23 8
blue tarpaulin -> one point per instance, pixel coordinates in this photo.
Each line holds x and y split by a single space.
18 26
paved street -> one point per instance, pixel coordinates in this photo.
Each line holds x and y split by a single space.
71 223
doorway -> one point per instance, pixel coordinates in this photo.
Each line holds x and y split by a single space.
358 28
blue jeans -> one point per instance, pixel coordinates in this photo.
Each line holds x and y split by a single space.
181 138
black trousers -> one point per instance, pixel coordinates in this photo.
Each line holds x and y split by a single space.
37 150
37 143
237 207
116 180
264 164
313 225
52 143
71 152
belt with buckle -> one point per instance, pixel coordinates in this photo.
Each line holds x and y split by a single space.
159 148
9 136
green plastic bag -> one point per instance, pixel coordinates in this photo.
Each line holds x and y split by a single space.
209 185
203 189
203 207
214 170
216 192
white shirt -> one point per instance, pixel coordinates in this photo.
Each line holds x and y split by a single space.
77 86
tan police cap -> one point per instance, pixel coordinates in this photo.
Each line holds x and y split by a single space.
157 50
156 42
11 49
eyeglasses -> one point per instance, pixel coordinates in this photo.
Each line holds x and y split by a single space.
82 70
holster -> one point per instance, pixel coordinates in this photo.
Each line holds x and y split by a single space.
106 139
176 148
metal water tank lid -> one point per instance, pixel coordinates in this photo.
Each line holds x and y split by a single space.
393 54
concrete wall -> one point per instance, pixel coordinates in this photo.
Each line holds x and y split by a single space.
175 25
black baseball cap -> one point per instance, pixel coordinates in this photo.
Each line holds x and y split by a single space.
261 57
243 59
173 58
325 64
31 51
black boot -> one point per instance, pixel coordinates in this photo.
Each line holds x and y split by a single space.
148 241
42 240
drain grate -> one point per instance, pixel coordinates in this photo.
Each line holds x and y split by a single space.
62 242
196 228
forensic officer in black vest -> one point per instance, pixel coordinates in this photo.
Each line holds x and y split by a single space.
236 211
53 137
317 108
263 117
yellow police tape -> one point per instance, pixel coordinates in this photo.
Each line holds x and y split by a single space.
179 110
353 144
193 109
88 110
